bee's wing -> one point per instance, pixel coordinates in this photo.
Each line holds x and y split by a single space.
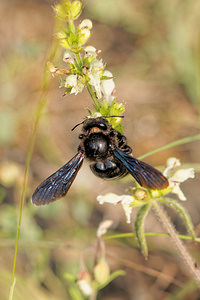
57 184
144 174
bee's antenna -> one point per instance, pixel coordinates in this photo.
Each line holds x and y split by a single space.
113 117
77 125
106 117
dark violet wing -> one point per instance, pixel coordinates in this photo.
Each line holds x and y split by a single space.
144 174
57 185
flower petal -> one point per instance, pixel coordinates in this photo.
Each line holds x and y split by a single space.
182 175
90 51
172 163
125 201
108 87
69 56
103 227
176 190
108 198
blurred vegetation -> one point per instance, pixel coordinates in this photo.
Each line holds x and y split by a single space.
152 48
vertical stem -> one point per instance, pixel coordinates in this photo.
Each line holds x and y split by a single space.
184 254
42 103
27 165
93 296
89 88
79 60
93 96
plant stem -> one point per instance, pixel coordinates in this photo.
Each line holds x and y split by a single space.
23 193
79 61
184 254
89 88
185 140
94 98
42 103
93 296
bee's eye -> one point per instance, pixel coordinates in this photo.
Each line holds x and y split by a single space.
81 136
103 126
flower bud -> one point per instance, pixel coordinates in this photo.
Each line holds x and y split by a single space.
61 35
85 282
101 272
75 9
61 11
52 69
140 194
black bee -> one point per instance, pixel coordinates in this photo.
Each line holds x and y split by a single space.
109 157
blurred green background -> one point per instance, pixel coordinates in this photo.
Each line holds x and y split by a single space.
153 50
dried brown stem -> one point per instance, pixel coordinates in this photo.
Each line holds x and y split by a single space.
182 251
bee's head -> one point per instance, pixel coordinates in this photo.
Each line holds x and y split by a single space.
95 124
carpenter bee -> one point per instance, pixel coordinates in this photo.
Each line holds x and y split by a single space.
109 157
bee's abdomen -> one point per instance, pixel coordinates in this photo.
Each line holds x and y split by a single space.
108 169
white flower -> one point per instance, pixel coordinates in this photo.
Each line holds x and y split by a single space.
74 82
94 72
108 87
125 201
85 34
103 227
86 24
90 51
85 287
51 68
69 56
176 176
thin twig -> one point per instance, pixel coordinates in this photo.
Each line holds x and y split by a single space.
38 113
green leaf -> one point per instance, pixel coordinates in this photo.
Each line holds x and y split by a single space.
139 228
182 212
73 40
70 27
113 109
70 277
111 278
68 90
87 61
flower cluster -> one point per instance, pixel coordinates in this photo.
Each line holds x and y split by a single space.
82 66
175 176
81 71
